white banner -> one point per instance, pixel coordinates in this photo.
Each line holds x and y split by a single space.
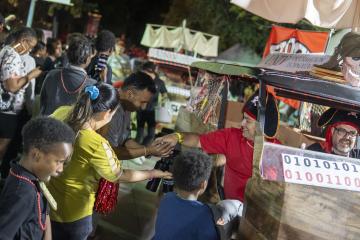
323 173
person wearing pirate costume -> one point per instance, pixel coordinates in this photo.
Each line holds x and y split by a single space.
342 129
25 199
236 144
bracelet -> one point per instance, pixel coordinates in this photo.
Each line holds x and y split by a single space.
180 137
145 154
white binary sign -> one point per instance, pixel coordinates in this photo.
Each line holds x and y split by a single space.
293 165
322 173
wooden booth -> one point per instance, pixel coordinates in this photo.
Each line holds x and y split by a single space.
300 194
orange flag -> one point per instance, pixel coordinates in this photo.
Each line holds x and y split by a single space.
288 40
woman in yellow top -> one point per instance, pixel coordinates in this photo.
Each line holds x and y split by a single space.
92 159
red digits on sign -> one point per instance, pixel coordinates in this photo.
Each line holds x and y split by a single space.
288 174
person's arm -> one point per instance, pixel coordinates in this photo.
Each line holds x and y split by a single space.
185 138
106 164
215 142
140 175
14 84
132 149
48 233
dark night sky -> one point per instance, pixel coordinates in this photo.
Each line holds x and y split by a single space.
130 16
119 16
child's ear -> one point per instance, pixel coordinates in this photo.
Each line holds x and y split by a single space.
203 186
35 154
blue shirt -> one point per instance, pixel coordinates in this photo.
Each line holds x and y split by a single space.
184 219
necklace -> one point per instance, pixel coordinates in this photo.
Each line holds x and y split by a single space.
42 225
76 90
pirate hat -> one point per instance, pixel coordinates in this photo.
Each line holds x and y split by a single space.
335 116
271 112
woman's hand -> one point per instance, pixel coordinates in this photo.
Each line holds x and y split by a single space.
155 173
34 73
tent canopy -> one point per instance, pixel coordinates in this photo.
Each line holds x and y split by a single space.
159 36
227 69
336 14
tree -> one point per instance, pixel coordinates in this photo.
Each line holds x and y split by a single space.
231 23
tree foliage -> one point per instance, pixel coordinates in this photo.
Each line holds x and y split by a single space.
231 23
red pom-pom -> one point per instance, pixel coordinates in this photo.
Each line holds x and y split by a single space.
106 196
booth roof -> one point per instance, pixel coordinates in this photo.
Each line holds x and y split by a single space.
227 68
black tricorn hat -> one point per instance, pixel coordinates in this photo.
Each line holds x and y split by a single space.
271 112
333 115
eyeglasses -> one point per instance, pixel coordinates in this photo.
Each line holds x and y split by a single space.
342 133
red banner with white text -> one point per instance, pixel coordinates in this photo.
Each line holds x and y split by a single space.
288 40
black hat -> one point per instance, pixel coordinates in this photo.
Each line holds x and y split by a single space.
271 112
333 115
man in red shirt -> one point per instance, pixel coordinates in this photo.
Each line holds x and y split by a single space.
236 144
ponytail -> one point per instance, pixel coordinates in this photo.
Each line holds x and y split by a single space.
100 97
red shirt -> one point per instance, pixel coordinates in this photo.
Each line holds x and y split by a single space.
239 158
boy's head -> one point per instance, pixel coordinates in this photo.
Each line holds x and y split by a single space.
47 144
191 171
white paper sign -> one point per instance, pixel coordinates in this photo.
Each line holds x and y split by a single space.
292 62
323 173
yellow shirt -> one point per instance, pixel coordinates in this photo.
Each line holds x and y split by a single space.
74 190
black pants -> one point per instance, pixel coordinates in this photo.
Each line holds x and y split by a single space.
147 117
12 129
77 230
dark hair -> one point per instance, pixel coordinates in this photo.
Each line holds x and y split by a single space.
39 46
73 36
43 132
39 34
79 50
2 19
24 33
149 66
105 41
139 81
51 45
190 169
10 38
108 99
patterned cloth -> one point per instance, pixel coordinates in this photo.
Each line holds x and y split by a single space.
11 64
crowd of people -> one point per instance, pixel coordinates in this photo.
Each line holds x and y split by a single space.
63 166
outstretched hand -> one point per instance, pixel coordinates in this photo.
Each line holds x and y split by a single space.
161 174
160 149
169 139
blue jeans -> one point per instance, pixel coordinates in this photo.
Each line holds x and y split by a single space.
78 230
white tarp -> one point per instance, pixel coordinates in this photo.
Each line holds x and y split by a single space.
324 13
157 36
169 56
